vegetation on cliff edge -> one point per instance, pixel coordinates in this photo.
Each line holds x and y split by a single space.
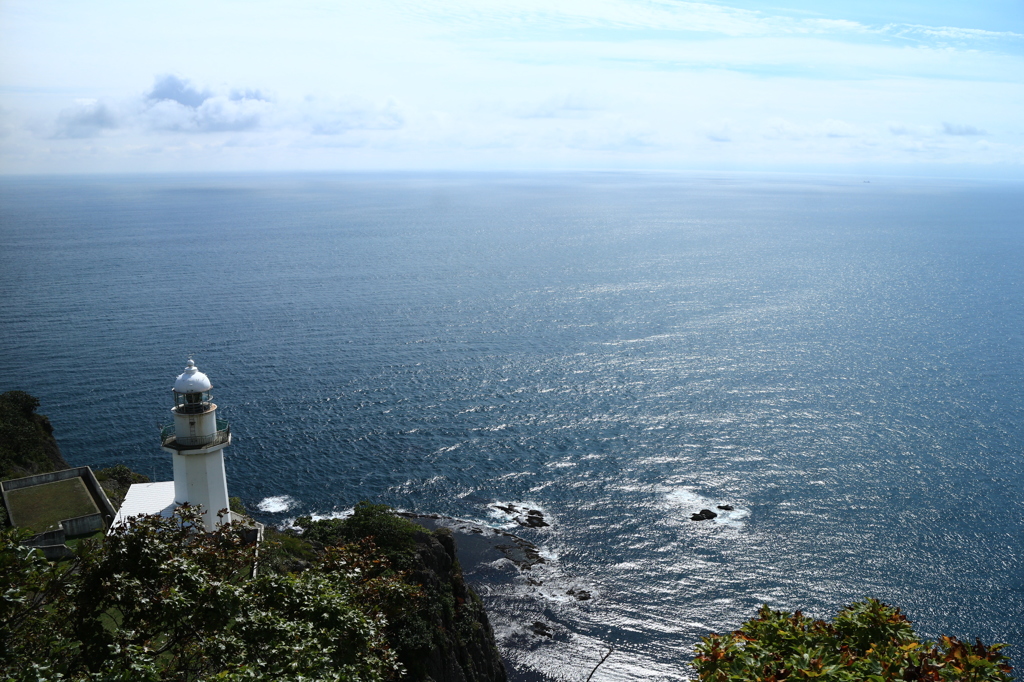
158 601
444 635
116 480
27 445
866 642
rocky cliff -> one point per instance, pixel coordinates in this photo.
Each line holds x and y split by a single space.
467 651
441 635
27 445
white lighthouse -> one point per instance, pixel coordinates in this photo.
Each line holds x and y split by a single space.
196 441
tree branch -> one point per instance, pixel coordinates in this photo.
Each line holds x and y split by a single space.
603 659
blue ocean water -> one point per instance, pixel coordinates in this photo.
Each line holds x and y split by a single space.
840 361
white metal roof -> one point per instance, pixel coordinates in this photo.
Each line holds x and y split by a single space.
147 498
192 380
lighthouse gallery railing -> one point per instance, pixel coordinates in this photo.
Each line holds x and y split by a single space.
169 438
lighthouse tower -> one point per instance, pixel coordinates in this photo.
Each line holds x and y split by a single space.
196 441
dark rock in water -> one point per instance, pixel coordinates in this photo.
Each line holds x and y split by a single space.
534 517
703 515
582 595
533 521
521 553
542 630
725 507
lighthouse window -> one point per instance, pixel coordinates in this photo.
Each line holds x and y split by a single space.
192 403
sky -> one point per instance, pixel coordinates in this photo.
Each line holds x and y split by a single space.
909 87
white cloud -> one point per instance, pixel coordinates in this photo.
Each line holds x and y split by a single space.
174 104
835 128
8 124
720 132
960 129
782 129
518 16
691 17
173 89
215 114
87 118
177 106
949 32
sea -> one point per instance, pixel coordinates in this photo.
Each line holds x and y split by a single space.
836 358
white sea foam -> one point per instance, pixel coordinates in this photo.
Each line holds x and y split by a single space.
289 523
511 521
276 504
548 554
343 514
689 502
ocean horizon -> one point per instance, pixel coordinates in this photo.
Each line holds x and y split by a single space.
836 358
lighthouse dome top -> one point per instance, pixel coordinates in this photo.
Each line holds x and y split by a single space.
192 380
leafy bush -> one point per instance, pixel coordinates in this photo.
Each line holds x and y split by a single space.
393 535
444 617
121 475
116 480
285 552
158 601
867 642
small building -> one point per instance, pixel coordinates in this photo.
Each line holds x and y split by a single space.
57 506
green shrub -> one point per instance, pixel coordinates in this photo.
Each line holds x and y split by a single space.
236 505
393 535
158 601
285 552
416 627
868 642
121 475
116 480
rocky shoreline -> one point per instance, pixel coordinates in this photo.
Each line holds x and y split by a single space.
482 544
520 584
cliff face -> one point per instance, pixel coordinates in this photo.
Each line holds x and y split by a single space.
27 445
467 651
442 633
